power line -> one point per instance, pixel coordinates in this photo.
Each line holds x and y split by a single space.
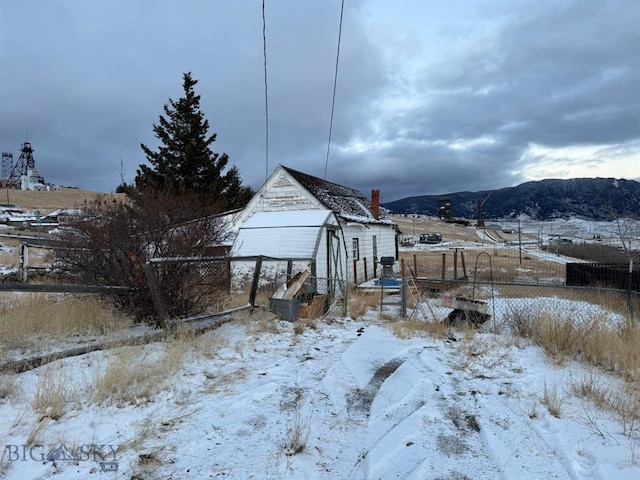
333 100
266 93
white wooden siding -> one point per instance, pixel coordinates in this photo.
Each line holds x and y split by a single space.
386 243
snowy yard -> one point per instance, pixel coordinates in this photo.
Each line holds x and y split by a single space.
345 400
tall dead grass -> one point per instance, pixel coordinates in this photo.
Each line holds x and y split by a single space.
134 375
581 335
359 301
53 391
27 320
414 328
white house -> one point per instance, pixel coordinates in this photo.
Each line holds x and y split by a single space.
298 216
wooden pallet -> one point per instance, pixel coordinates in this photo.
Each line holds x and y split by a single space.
462 303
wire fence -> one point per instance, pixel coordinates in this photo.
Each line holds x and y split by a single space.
507 280
503 304
434 287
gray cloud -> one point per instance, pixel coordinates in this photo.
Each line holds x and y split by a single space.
431 98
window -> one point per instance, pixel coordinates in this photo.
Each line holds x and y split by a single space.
356 249
375 247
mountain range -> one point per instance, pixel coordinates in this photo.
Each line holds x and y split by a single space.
589 198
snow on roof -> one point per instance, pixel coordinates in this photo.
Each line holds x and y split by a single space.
344 201
290 234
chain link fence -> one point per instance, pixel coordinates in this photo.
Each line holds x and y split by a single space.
503 282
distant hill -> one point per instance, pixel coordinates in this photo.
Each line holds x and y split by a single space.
591 198
48 201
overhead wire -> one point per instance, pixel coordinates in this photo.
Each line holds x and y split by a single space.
333 100
266 93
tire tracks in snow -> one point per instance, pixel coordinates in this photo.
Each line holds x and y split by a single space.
430 419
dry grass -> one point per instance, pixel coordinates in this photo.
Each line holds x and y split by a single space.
412 329
220 382
591 338
582 335
504 267
9 259
49 201
29 320
360 301
134 375
37 433
481 351
8 385
552 401
298 430
303 324
53 392
209 344
623 403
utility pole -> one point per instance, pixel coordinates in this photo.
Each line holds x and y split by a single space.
520 241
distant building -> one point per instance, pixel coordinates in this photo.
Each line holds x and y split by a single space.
445 212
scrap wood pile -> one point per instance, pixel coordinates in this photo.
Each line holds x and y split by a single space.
297 292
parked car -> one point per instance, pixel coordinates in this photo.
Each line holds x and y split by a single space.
430 238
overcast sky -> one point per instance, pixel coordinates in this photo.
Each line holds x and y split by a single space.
433 96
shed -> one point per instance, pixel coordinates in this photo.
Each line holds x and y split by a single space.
303 239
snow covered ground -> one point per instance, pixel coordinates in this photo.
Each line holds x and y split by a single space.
346 400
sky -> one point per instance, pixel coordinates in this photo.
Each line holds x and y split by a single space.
432 96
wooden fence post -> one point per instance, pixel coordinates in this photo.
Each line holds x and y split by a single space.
254 284
464 267
364 260
455 264
444 265
154 289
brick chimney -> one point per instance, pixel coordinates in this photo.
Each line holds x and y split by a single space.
375 203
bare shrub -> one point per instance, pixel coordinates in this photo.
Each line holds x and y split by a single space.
100 243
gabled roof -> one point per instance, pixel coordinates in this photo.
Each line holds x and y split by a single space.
346 202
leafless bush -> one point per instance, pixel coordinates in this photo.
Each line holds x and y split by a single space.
110 240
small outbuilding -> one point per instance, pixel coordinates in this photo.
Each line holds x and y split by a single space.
341 232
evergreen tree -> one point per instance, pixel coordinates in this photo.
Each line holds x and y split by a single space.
184 161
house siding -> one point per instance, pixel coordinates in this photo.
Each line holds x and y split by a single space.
282 195
385 243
